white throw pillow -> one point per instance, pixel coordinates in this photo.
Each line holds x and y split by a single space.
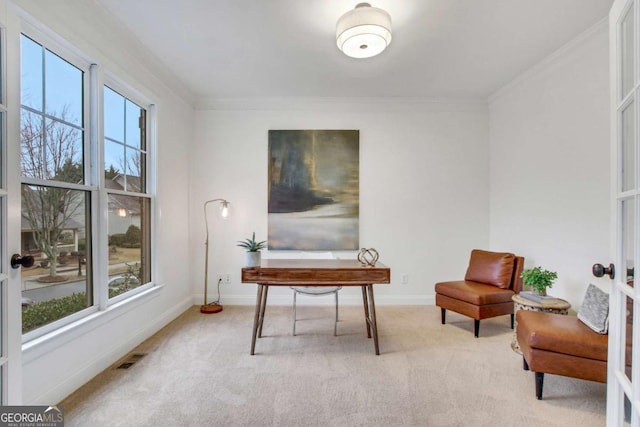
594 311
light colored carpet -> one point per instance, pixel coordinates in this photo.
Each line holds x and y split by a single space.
198 372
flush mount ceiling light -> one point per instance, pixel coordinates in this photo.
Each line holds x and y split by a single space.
364 31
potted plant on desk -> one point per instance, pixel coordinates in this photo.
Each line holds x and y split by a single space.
538 279
252 257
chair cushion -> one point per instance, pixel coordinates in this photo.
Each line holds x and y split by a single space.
560 334
474 292
491 268
594 311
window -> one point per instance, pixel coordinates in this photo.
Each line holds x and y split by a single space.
125 160
56 202
64 195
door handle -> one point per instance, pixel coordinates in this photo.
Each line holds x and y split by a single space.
18 260
600 270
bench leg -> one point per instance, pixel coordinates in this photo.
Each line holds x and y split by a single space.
525 365
476 327
539 383
443 314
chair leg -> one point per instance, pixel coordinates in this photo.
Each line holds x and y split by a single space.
476 327
443 315
525 365
539 383
294 313
513 319
335 325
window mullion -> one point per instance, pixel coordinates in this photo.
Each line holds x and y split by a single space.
99 229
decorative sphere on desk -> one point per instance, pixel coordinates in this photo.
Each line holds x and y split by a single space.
368 257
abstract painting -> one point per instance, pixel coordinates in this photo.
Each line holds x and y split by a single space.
314 189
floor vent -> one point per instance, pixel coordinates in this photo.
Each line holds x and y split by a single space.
131 360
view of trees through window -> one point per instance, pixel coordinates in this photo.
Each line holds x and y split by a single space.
125 183
57 188
55 205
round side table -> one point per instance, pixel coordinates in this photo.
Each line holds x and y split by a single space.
549 305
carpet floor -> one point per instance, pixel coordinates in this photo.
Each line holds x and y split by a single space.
197 371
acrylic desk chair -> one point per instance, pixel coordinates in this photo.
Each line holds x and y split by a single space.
315 291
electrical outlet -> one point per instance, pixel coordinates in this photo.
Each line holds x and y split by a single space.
219 278
227 278
405 279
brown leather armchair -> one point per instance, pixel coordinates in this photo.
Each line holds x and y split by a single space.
491 280
562 345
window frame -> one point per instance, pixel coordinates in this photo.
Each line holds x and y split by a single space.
94 79
89 186
128 92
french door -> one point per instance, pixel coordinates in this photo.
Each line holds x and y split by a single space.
623 376
10 216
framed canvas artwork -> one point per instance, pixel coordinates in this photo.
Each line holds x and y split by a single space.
314 189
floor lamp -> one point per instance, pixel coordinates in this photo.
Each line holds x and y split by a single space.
215 306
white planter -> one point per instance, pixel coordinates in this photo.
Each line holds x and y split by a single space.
252 259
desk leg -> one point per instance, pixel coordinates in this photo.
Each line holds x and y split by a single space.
263 305
366 310
372 317
256 319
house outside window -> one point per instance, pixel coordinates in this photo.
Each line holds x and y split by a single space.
128 202
56 198
64 196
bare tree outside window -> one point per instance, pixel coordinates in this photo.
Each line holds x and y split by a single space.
50 151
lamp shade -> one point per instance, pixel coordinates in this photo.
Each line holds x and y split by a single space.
364 31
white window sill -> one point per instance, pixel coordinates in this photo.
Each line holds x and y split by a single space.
44 344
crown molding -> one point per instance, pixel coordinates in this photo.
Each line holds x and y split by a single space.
340 104
534 71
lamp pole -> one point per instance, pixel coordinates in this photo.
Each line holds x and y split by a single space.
215 306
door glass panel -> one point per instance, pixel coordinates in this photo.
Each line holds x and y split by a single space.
55 232
628 147
3 286
627 53
1 151
628 252
628 331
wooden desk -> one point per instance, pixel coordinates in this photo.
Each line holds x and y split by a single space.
316 272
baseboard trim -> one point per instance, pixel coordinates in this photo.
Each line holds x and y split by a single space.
279 299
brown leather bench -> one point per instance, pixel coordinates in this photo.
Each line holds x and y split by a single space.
562 345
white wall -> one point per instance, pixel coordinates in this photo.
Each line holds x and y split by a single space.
424 194
550 164
529 175
51 370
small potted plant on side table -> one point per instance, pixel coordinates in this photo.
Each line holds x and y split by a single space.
538 279
252 257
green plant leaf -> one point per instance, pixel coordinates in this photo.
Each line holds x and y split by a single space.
251 245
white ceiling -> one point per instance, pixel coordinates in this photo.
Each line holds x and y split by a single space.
286 48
